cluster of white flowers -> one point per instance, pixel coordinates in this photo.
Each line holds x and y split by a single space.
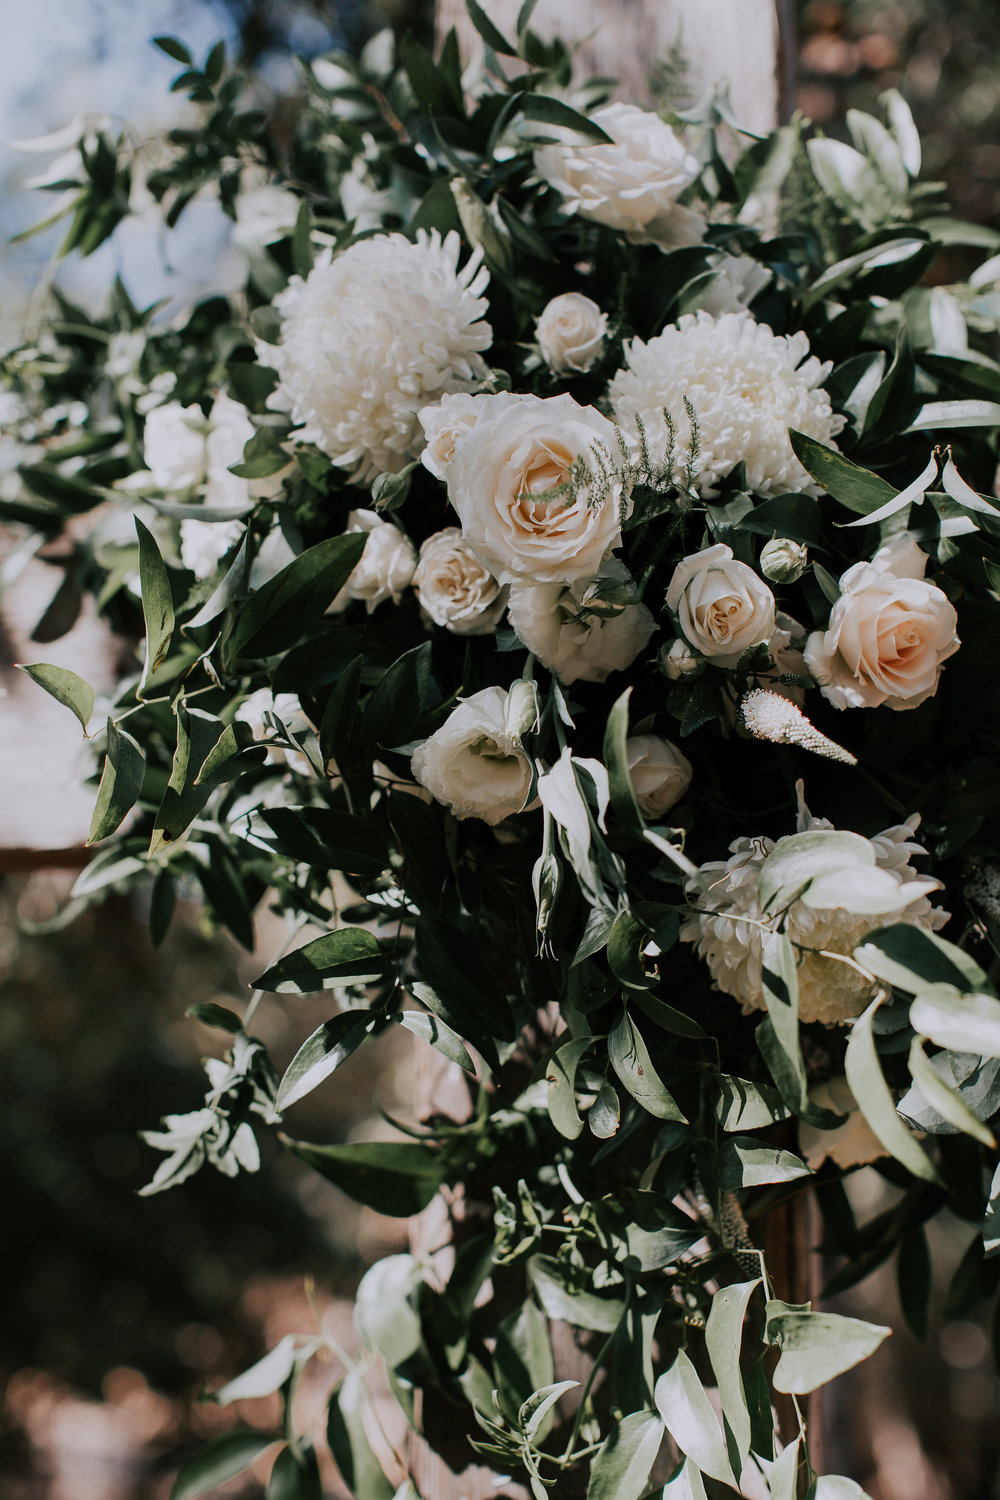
371 336
729 927
746 385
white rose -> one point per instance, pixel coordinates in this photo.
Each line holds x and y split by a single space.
386 566
632 183
578 646
888 635
721 605
475 763
174 444
454 587
205 543
660 773
445 423
571 333
513 479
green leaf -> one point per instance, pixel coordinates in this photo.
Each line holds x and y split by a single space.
630 1059
802 858
745 1161
221 1459
532 1413
685 1483
724 1341
350 955
288 605
157 603
211 1014
451 961
688 1416
65 687
385 1308
294 1477
219 765
323 1052
564 1304
121 783
963 1023
427 81
560 1075
397 1178
911 958
345 1432
175 49
337 724
550 111
522 1360
817 1347
267 1375
949 414
913 1278
489 33
623 798
439 1034
328 839
743 1105
398 702
857 488
623 1464
183 799
864 1076
230 588
948 1104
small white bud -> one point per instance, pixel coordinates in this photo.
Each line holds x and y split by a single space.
783 561
523 714
679 662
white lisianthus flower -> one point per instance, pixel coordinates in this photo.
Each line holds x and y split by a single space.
475 763
660 773
205 543
371 336
454 588
174 446
852 1144
265 212
721 605
530 493
386 567
571 333
572 642
747 387
632 183
729 926
889 633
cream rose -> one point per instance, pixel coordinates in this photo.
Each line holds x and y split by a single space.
631 183
475 763
529 490
574 643
386 566
571 333
888 635
454 587
660 773
722 607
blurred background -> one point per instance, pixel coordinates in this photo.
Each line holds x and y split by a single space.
116 1310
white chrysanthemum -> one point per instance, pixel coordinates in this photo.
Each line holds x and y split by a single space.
730 931
747 386
370 337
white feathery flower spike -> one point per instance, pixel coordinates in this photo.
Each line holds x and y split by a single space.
769 716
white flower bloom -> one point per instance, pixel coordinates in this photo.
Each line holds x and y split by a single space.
889 633
747 387
729 927
783 561
736 280
579 647
445 423
265 212
571 333
370 337
386 566
721 605
632 183
230 431
475 763
660 773
512 480
454 587
174 445
852 1144
205 543
284 706
679 662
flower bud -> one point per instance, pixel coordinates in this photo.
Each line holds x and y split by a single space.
679 662
571 333
783 561
606 597
522 715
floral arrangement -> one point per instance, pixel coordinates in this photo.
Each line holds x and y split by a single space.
565 578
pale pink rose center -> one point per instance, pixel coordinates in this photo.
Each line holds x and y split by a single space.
722 618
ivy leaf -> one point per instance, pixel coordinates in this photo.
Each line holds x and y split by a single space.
121 783
323 1052
622 1466
816 1347
65 687
219 1460
397 1178
864 1076
688 1417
